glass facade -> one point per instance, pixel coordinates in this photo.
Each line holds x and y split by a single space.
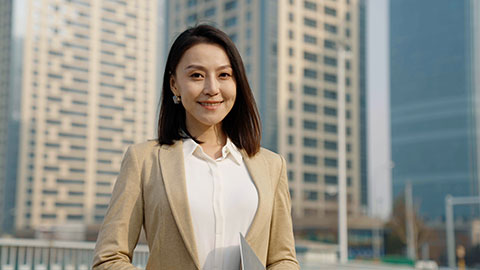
432 113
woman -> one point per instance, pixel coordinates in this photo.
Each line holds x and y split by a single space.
206 179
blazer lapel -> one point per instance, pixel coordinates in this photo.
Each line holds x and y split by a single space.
173 173
257 168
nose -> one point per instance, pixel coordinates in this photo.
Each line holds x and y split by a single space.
211 86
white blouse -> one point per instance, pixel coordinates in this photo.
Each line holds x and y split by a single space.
223 201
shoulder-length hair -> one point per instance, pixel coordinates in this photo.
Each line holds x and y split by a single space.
242 124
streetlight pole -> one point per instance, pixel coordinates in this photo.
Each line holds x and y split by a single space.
450 226
342 160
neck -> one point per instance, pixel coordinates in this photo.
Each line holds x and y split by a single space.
213 139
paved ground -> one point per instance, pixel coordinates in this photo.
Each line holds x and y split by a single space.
353 266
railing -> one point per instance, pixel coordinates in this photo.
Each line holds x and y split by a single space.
30 254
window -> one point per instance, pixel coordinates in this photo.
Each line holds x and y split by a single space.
310 160
330 61
312 57
309 39
290 69
309 90
230 22
309 73
310 5
330 77
290 34
330 145
331 197
210 12
290 140
330 162
328 44
290 17
192 18
191 3
310 195
309 22
310 125
330 28
330 11
330 128
249 34
309 142
290 122
310 177
291 175
330 111
347 32
291 104
309 107
330 94
331 179
291 87
290 51
230 5
291 157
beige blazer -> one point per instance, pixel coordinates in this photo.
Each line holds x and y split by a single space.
151 192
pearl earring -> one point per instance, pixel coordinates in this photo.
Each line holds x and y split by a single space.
176 99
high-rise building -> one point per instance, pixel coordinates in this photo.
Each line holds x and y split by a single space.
5 45
289 49
84 88
435 87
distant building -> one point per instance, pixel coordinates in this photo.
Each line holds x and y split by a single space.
435 90
289 51
82 88
5 51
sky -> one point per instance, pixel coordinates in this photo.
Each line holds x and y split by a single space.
379 158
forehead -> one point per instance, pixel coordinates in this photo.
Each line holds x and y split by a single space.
205 54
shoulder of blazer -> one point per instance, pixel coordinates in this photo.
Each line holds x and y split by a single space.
145 147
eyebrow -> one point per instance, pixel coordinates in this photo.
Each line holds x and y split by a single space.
203 68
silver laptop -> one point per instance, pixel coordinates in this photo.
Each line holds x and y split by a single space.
248 257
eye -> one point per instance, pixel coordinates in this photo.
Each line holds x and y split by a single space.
196 75
225 75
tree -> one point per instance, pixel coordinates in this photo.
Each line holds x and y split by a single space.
397 226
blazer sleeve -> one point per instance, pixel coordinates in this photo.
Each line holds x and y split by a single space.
123 221
281 250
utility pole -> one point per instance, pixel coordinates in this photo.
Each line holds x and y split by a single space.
410 220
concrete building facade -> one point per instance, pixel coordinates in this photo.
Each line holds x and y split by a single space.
86 90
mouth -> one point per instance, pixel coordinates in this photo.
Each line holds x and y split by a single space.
210 104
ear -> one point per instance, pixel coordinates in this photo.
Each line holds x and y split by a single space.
173 85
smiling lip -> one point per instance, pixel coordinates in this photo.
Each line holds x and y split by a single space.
210 105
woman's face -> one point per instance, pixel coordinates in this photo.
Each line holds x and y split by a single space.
204 81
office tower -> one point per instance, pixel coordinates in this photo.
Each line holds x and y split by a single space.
86 90
289 49
434 71
5 34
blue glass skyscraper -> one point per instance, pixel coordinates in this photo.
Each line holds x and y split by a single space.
434 47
